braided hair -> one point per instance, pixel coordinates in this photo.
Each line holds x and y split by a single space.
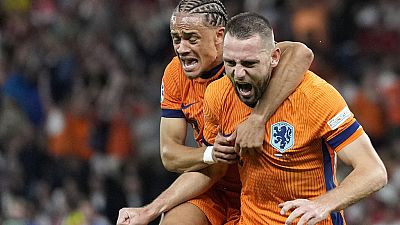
213 10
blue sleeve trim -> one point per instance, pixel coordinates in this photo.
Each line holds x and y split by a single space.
205 142
336 141
172 113
337 218
328 173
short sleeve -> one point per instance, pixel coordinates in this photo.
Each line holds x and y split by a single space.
171 96
335 122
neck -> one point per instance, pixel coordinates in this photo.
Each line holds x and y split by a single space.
212 72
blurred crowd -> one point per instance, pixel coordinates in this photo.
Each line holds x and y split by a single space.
80 89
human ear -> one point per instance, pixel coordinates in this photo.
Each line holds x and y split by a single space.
275 56
220 35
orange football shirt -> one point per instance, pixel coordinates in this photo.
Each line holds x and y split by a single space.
183 98
301 140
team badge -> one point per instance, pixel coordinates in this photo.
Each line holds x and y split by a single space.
282 136
162 92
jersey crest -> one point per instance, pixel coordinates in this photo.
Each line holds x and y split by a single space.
282 136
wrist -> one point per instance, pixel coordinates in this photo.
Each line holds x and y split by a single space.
208 155
154 209
258 118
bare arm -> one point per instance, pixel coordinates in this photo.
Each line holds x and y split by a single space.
187 186
368 175
295 60
175 156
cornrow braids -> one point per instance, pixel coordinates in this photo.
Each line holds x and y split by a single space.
214 11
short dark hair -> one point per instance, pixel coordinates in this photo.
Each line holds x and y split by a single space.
213 10
246 25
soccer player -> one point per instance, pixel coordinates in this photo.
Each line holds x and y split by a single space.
296 169
197 30
293 179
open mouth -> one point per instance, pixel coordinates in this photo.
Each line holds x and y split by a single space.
189 64
244 89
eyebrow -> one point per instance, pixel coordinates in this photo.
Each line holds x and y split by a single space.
189 33
242 61
251 60
184 33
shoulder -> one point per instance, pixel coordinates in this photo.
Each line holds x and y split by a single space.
219 89
314 88
173 69
217 94
322 102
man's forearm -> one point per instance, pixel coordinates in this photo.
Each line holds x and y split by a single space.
187 186
295 60
179 158
359 184
369 175
175 156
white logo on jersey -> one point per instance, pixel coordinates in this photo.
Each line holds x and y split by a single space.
162 91
339 119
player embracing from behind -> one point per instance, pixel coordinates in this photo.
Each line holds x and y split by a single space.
197 31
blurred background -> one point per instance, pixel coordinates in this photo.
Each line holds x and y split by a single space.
80 89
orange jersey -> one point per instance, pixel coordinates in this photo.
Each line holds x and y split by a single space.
183 98
300 146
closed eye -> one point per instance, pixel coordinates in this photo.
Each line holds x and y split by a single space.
193 40
229 63
249 64
176 40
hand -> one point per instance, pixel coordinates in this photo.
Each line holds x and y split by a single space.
310 211
134 216
223 150
250 136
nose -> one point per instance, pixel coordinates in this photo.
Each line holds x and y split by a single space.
182 48
239 72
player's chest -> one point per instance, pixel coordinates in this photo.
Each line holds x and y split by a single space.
192 104
288 134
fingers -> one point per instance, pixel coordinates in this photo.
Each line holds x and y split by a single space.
232 137
237 149
227 154
286 206
314 221
222 140
123 217
249 139
306 218
250 151
224 154
296 213
304 209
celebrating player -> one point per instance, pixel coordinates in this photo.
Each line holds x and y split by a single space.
197 30
293 179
